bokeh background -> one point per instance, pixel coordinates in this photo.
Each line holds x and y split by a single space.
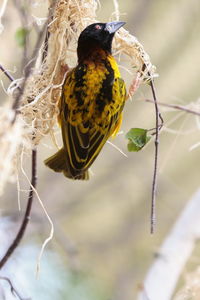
102 247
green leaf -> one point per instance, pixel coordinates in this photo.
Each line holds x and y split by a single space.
138 138
20 36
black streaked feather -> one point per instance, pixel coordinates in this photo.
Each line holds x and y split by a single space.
80 71
105 93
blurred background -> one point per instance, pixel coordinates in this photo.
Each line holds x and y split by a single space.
102 247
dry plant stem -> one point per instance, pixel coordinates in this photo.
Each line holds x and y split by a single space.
13 290
26 219
175 106
155 173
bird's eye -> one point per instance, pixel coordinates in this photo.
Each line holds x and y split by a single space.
98 27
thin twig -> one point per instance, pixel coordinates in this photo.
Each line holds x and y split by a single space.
9 76
175 106
26 219
155 173
12 288
15 105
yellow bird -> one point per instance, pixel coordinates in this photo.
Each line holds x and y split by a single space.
91 104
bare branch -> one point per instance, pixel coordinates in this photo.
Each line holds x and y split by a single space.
154 183
13 289
26 219
8 75
175 106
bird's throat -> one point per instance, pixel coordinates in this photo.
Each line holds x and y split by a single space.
92 53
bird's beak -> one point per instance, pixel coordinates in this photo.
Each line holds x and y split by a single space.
112 27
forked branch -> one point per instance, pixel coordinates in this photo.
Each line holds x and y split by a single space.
26 218
155 173
12 288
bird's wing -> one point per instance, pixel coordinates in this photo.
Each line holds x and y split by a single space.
119 94
83 140
110 125
97 141
75 134
75 141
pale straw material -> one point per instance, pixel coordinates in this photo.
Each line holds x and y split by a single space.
11 137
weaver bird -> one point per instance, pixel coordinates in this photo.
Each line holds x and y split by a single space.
93 97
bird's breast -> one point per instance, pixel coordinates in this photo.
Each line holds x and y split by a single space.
88 92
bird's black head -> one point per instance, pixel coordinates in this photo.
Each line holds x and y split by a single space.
97 35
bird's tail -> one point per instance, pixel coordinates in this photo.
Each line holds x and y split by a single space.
59 163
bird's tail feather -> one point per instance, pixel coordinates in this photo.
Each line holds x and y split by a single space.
58 162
